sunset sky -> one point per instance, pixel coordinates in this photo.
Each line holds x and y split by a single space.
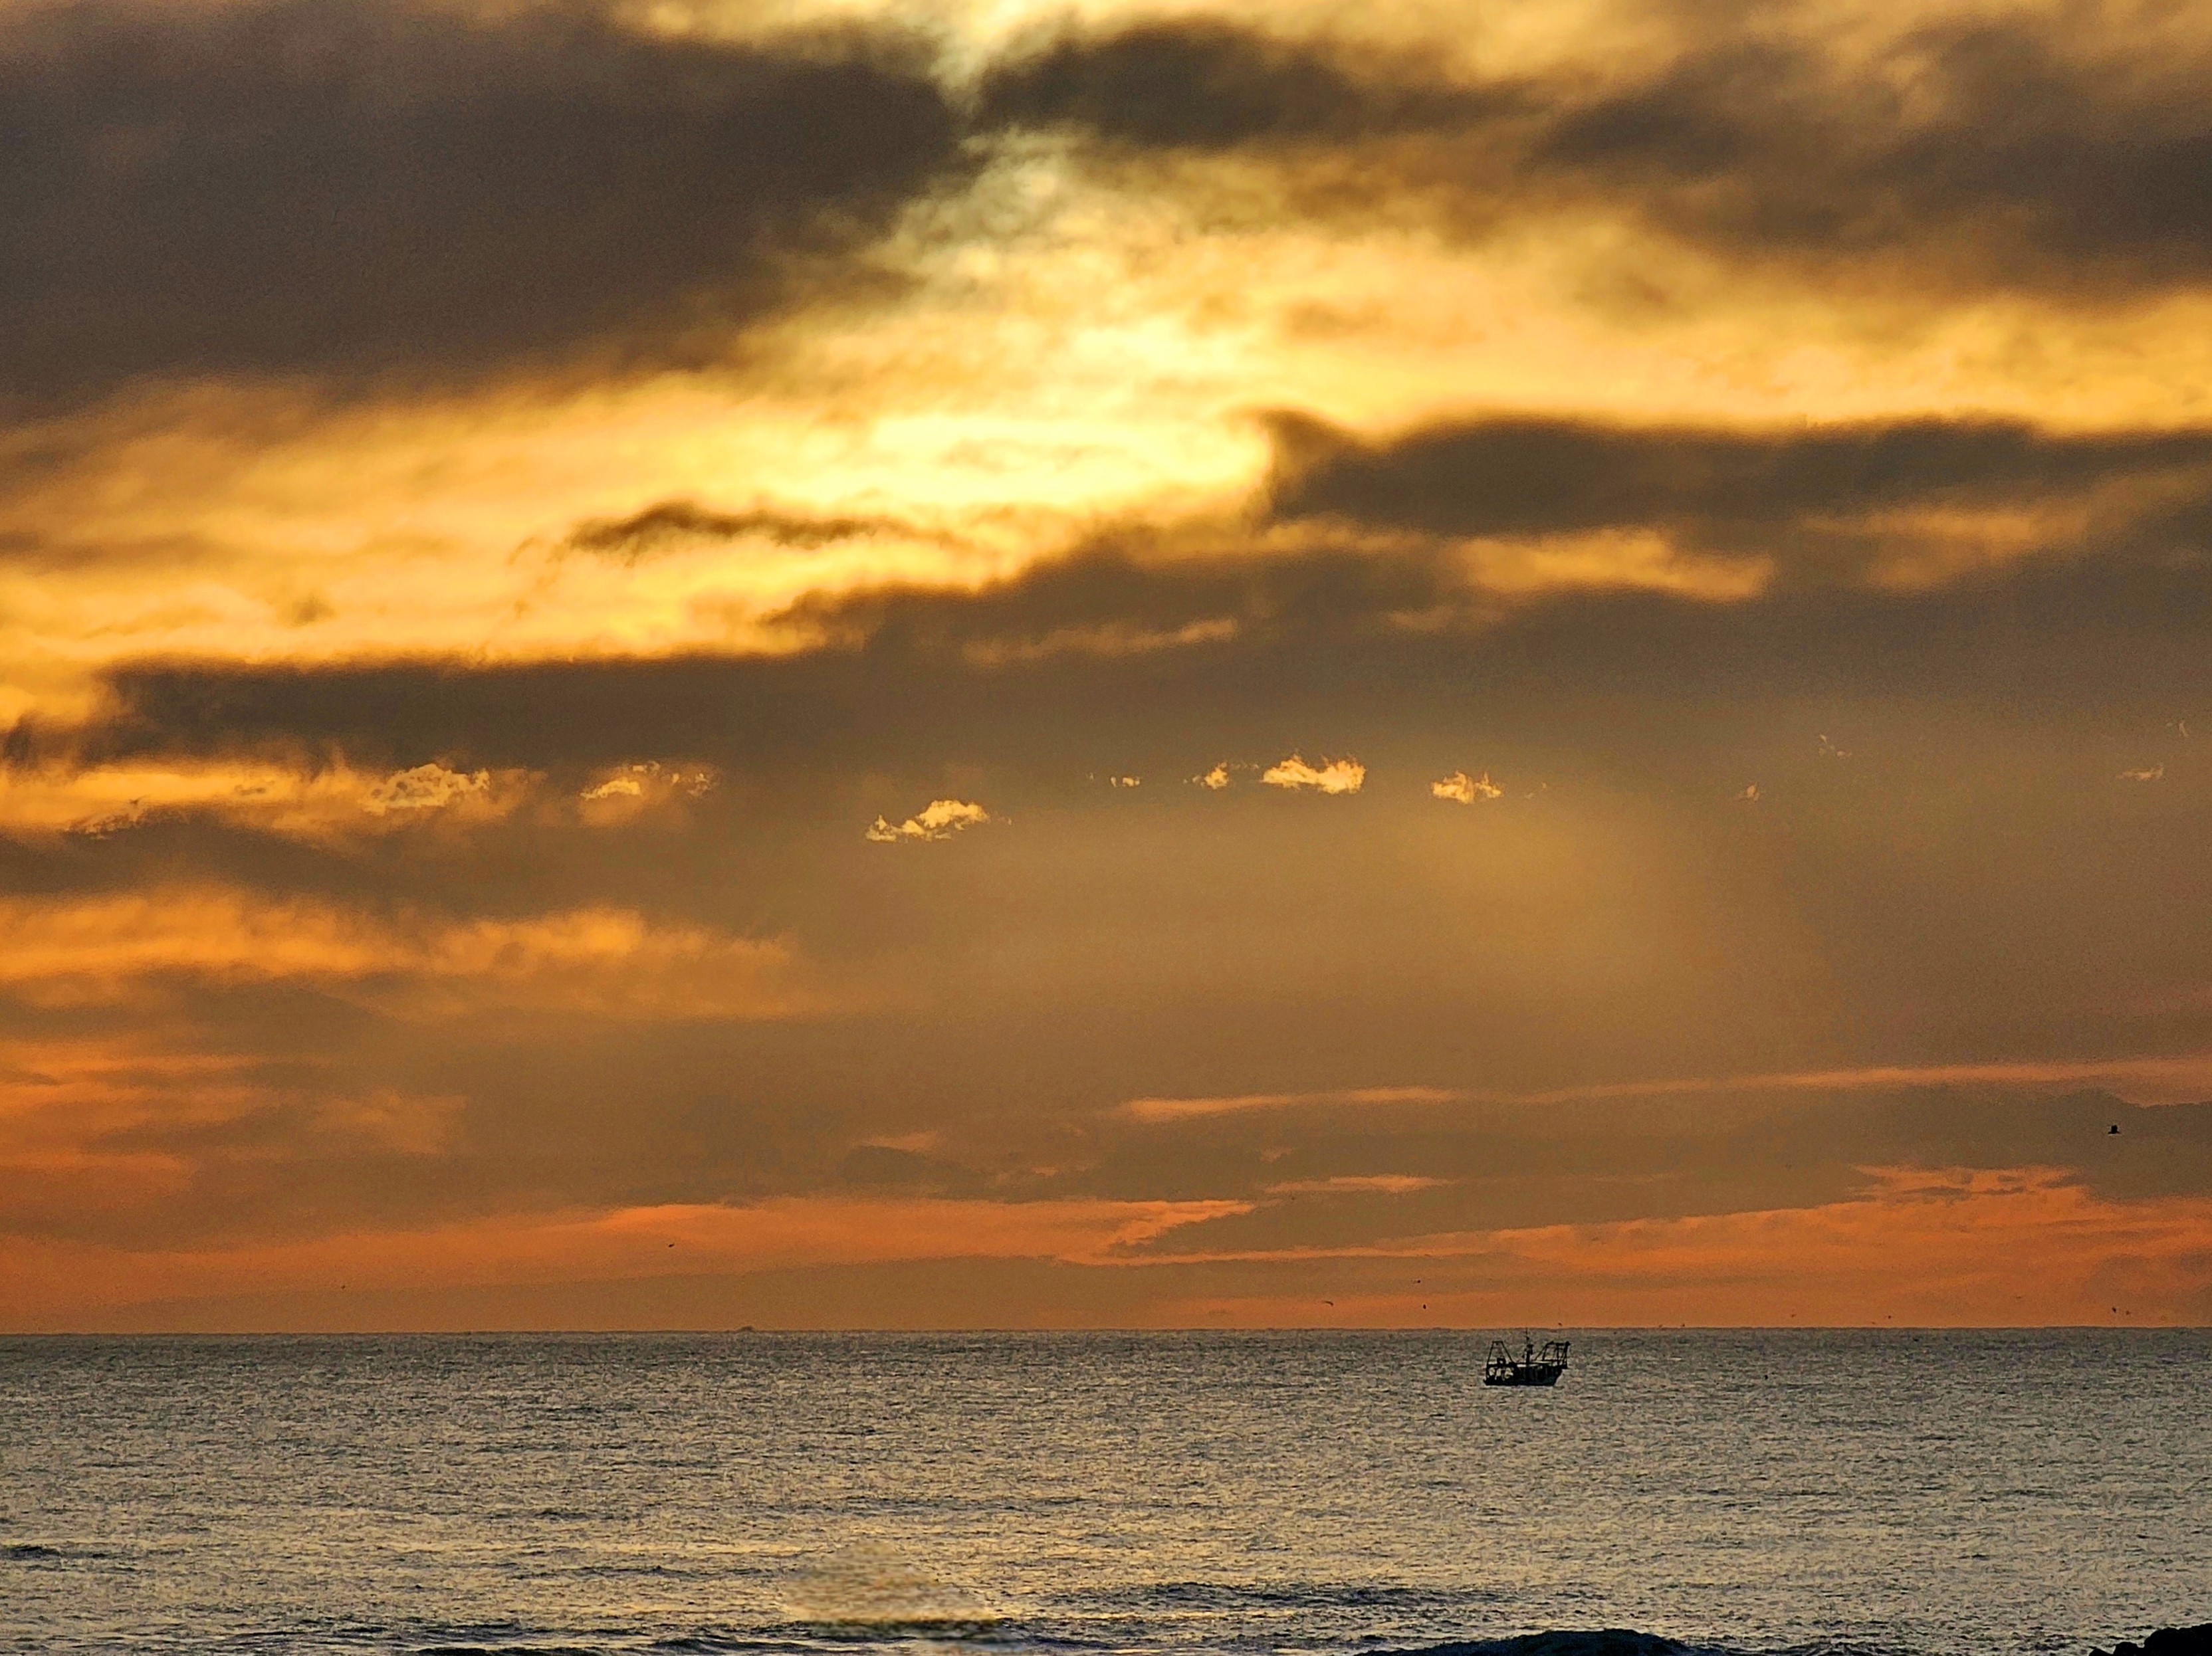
983 663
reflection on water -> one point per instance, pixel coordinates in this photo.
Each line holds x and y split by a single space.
1915 1494
869 1590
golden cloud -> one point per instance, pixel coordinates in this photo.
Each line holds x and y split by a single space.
1462 789
938 820
1330 776
110 1124
329 804
607 961
621 793
309 804
426 787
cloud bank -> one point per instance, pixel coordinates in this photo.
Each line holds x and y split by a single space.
350 187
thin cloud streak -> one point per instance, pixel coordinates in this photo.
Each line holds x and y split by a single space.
1178 1109
1928 1247
2185 1078
40 1281
1359 1184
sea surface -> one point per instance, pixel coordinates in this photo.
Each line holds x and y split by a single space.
1879 1492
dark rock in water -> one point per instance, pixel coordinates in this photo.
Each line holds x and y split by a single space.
1601 1642
28 1550
2166 1641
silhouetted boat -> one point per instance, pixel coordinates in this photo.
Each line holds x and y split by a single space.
1531 1368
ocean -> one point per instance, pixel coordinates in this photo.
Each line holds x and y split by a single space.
1913 1493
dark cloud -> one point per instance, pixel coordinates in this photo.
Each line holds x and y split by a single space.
342 186
669 522
1137 656
1204 85
1988 147
1108 600
889 666
1113 649
1776 490
1998 154
308 186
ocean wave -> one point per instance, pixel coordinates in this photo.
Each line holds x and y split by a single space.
1562 1641
947 1628
1150 1596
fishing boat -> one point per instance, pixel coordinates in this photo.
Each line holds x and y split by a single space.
1531 1368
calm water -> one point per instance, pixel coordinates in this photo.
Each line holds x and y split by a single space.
1756 1491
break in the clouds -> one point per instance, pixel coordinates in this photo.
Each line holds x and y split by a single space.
299 186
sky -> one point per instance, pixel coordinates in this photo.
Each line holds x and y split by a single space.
970 663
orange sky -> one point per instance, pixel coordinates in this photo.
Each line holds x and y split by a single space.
990 664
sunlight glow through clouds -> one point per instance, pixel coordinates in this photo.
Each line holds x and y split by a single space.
1006 397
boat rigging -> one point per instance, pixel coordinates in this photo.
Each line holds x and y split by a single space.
1531 1368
